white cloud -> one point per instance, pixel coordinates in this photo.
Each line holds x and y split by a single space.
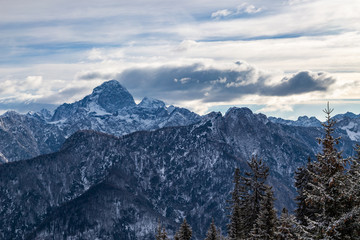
221 13
247 8
239 10
186 45
33 82
185 80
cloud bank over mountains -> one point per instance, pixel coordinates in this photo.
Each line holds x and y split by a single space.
209 84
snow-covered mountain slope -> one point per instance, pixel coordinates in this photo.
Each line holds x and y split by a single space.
350 123
115 188
110 109
302 121
347 125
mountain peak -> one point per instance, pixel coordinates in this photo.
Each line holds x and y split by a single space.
151 103
108 85
112 96
235 111
349 115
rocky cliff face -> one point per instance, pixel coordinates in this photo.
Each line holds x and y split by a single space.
110 109
27 136
115 188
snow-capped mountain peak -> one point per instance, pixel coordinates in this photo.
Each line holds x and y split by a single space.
109 97
112 96
148 102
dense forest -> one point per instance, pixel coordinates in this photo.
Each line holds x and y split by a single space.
328 200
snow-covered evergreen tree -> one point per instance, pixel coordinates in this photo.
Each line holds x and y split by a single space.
184 232
176 236
266 224
303 210
354 177
349 223
326 192
213 233
286 229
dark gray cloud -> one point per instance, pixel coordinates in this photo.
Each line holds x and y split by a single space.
95 75
195 82
300 83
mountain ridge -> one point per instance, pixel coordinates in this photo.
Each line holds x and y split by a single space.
110 108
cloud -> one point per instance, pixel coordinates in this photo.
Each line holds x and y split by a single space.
209 84
185 45
94 75
301 82
221 13
33 82
244 8
247 8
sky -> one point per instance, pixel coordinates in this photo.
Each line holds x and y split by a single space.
283 58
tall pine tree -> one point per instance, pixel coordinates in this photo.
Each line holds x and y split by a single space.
236 225
249 190
266 223
255 188
325 191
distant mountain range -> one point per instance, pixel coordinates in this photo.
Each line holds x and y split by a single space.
110 109
98 185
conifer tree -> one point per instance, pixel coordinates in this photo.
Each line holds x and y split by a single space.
255 188
286 227
266 224
325 193
235 227
213 233
161 232
303 210
349 223
354 177
164 234
184 232
176 237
